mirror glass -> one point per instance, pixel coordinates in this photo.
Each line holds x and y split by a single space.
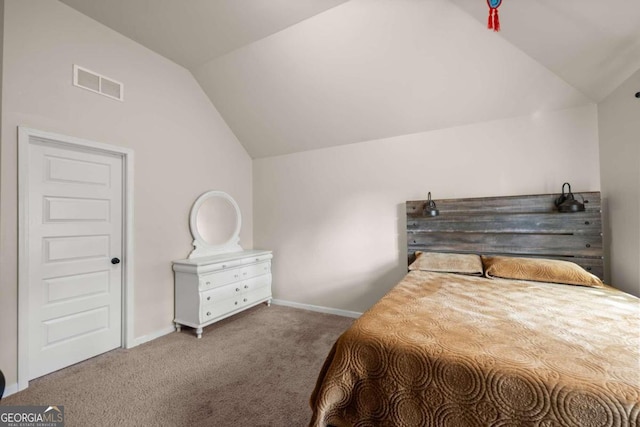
216 220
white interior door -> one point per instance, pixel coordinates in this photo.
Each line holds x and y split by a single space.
74 230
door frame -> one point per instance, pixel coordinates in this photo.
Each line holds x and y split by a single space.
26 137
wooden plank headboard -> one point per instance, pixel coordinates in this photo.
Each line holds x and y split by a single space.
527 226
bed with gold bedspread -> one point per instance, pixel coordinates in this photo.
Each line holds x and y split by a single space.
444 349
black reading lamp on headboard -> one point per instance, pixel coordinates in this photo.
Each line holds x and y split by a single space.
567 203
430 208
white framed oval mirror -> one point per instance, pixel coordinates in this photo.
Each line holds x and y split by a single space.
215 221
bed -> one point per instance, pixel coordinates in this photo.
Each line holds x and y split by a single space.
525 334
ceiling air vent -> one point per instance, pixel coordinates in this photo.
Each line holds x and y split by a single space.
97 83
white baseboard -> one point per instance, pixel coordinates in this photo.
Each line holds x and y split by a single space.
318 308
10 389
152 336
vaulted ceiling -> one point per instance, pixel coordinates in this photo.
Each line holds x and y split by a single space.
593 45
294 75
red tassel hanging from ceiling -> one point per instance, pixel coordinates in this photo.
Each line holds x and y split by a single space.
494 20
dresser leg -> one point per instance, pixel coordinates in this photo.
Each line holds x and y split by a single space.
178 327
199 332
268 303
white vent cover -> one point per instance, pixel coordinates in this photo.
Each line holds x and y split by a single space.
97 83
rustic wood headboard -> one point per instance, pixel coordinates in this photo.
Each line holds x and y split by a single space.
526 226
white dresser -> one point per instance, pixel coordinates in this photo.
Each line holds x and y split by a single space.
208 289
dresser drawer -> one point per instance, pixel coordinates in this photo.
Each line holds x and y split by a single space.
219 308
256 295
256 283
231 275
219 278
258 258
221 293
256 269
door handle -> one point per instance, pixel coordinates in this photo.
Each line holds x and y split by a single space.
115 261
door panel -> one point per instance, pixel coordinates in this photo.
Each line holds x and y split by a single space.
75 170
78 286
64 209
75 228
71 326
77 248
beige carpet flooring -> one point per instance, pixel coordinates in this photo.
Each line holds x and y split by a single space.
257 368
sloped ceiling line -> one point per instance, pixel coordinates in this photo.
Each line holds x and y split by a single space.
290 76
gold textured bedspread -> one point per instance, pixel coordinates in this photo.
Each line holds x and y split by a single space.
450 350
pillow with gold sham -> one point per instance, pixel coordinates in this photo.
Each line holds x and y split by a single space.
447 263
539 270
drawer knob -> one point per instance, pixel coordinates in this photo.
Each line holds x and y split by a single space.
257 259
236 302
237 289
245 300
244 274
246 286
208 283
236 276
224 265
208 298
208 313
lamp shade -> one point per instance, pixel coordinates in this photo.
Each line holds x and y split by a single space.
567 203
430 208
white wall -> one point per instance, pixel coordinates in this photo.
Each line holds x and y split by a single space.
372 69
335 217
182 146
619 127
